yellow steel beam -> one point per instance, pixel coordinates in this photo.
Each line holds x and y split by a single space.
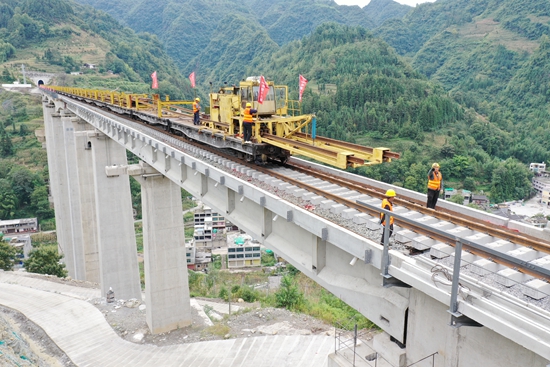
374 155
341 159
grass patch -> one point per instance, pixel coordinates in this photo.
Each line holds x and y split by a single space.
218 329
314 300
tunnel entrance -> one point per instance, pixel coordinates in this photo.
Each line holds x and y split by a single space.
40 82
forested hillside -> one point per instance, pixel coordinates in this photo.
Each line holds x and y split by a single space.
362 91
186 27
491 56
472 101
61 35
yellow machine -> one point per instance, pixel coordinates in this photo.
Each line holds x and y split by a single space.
274 125
279 130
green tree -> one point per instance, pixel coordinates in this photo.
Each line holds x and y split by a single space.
8 200
469 184
288 295
6 146
6 76
46 260
457 199
511 180
40 203
7 255
23 182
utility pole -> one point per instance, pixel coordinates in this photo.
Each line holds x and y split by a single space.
23 70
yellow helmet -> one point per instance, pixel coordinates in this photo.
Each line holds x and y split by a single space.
197 99
390 193
435 165
249 104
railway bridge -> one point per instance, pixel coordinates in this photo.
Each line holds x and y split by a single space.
462 320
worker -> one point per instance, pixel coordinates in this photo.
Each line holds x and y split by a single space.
196 111
435 180
387 204
248 120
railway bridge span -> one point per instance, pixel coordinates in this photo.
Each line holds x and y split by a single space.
470 324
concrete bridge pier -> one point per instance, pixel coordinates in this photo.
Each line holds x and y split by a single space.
166 280
84 163
59 183
74 244
115 225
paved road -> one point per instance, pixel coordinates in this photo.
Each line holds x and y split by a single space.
80 330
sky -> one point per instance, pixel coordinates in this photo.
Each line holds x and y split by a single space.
362 3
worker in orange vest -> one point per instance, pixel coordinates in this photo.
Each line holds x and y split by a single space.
434 185
387 204
196 111
248 120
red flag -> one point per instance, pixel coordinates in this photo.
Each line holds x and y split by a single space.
192 79
155 84
302 86
264 89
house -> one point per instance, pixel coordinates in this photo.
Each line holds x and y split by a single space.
247 253
480 199
449 192
197 260
537 168
209 229
24 225
545 198
541 184
89 66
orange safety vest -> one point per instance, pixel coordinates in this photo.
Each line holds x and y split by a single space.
247 115
196 107
386 203
435 184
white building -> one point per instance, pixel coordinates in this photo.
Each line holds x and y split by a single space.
537 167
197 260
247 254
23 225
541 184
545 199
209 229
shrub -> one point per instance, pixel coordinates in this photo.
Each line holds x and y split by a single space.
7 256
288 296
46 260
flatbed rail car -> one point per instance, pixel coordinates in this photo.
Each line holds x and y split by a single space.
275 135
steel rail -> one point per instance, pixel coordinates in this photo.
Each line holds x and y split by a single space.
452 217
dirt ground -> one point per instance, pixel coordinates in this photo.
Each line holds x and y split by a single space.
22 343
250 321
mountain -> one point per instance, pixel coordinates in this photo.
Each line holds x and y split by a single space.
186 27
446 86
61 36
359 85
382 10
492 57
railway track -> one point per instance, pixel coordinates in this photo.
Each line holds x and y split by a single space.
328 191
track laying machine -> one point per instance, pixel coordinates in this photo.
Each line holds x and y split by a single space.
279 130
